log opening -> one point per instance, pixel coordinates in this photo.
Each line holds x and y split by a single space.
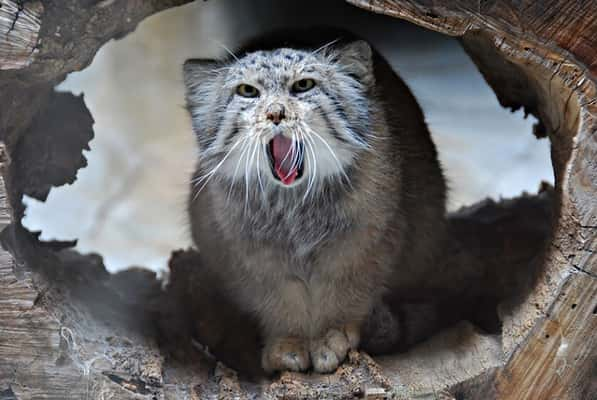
71 330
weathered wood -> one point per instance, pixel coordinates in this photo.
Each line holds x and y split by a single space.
69 330
541 56
19 30
448 359
559 26
56 139
70 32
90 334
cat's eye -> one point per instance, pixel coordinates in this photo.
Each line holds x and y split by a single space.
303 85
247 90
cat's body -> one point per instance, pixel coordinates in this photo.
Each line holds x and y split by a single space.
310 247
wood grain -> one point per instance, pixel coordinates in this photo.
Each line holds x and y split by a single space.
562 26
19 31
541 55
69 330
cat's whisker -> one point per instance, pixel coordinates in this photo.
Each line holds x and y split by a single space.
306 194
301 150
220 69
308 144
213 151
340 166
315 176
259 169
289 151
252 162
199 179
227 50
325 46
238 162
207 177
247 180
293 149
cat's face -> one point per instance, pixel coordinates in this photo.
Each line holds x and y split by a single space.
283 117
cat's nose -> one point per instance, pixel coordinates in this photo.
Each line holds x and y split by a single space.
275 113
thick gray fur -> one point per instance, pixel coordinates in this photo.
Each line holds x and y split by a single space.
311 259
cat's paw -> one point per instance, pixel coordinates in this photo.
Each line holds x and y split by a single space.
329 351
285 354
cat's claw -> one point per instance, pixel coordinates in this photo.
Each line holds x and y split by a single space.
328 352
285 354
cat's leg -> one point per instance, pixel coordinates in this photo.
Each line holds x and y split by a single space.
338 313
285 321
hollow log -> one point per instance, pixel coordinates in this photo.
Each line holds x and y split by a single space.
70 330
541 55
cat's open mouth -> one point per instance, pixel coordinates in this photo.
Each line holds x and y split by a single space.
286 159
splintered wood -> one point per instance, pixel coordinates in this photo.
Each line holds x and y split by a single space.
71 331
19 30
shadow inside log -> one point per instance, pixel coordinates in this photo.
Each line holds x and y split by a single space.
493 255
140 334
68 329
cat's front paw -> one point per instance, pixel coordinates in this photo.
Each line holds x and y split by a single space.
285 354
329 351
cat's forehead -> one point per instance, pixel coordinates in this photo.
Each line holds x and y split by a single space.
276 62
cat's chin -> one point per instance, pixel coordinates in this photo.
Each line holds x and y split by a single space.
279 183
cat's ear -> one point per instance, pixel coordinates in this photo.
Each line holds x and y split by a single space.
357 58
197 71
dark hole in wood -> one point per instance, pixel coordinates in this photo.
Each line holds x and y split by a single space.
99 276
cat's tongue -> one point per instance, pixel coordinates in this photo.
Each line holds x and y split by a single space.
283 154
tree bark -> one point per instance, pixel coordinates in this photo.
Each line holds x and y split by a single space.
541 55
70 330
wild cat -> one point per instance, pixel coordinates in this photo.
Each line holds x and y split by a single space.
317 190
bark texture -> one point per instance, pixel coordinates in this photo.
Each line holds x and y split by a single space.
70 330
541 55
